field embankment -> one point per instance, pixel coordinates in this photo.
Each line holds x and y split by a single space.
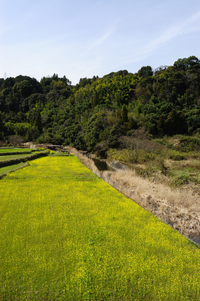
178 208
11 168
10 158
7 150
67 235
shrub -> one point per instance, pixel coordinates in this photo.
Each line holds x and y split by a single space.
175 155
181 180
189 144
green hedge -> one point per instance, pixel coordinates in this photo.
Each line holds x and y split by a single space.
28 158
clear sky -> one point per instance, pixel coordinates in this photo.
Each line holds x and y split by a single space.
83 38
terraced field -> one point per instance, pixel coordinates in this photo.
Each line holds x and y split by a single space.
7 169
11 157
13 150
67 235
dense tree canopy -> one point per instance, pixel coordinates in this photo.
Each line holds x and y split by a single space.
94 113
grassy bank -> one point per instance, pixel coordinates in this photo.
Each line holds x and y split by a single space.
13 157
67 235
7 169
14 150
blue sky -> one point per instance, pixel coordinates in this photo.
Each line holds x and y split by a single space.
83 38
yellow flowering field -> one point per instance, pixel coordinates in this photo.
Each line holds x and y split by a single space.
67 235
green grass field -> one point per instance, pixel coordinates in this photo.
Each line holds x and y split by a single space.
4 170
10 157
67 235
11 150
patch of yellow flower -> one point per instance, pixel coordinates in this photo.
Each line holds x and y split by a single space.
67 235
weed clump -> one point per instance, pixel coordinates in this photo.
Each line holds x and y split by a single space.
188 144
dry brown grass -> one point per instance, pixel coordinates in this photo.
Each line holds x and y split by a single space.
179 208
181 198
190 163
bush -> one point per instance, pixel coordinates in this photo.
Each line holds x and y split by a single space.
130 155
16 140
188 144
183 179
175 155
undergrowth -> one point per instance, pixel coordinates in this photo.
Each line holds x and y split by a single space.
154 158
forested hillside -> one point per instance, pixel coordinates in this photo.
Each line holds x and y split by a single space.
93 114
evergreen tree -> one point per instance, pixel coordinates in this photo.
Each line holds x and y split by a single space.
145 71
171 123
182 124
161 124
124 116
95 99
38 122
119 114
132 124
1 126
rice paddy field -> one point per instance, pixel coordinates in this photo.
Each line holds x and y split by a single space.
67 235
11 157
6 169
11 150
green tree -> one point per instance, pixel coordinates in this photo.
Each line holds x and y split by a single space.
115 132
145 71
124 116
190 64
171 123
1 125
176 123
46 84
38 122
182 124
95 99
161 124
